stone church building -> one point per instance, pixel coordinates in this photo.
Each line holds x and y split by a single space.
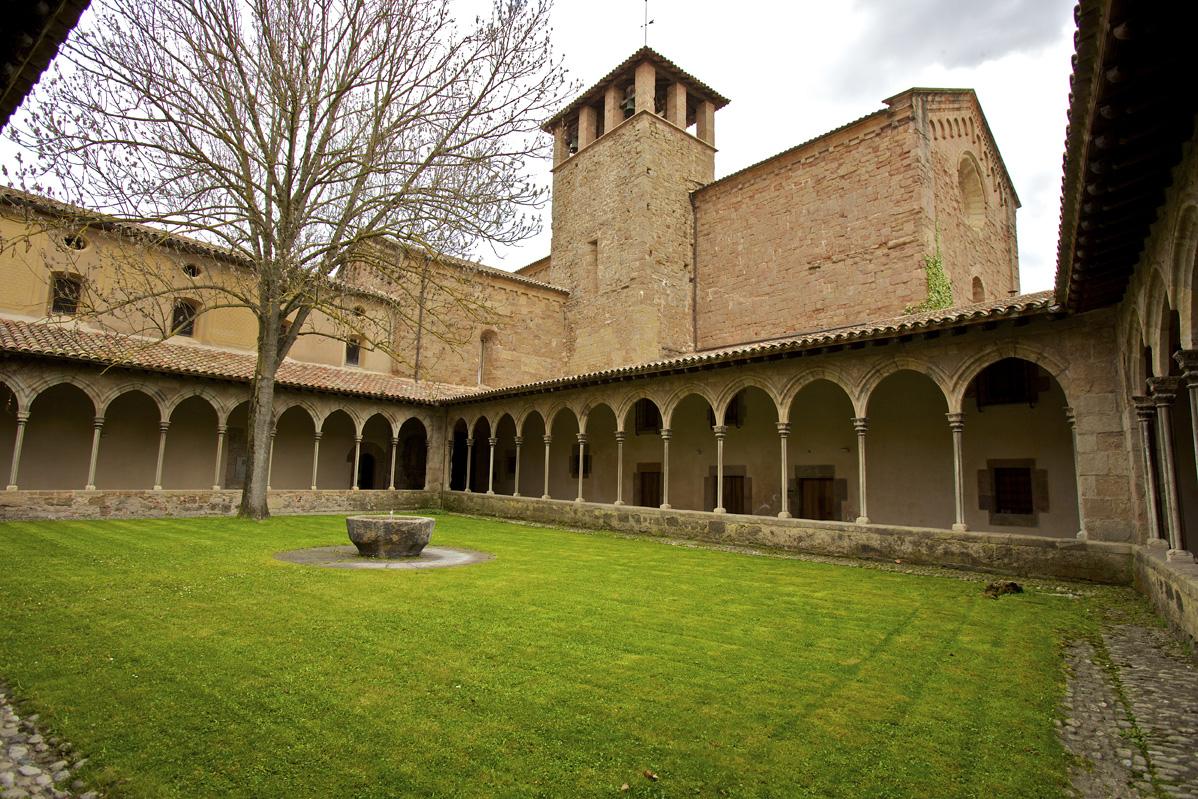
742 359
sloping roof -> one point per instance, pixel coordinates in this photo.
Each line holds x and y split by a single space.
1040 303
32 35
112 349
664 66
1131 110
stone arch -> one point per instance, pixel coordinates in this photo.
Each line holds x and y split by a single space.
805 378
968 371
978 289
630 398
821 467
189 459
734 387
1132 360
675 398
187 393
354 414
152 391
376 433
532 453
473 424
1154 314
58 437
84 383
20 389
564 427
524 415
128 453
1185 246
591 407
883 369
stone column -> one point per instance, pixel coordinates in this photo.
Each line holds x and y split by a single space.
705 122
22 418
98 427
469 463
582 458
357 457
956 423
548 440
783 434
220 455
1071 417
1164 391
519 443
492 441
315 456
448 462
665 467
620 436
646 87
1188 360
612 113
587 125
162 428
270 462
1146 415
861 424
720 431
394 447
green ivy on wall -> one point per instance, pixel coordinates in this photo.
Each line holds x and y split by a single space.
940 291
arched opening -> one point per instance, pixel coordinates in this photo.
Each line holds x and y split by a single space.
336 452
291 466
1017 452
909 453
128 457
532 456
643 463
600 486
752 470
563 456
481 465
457 465
376 442
693 455
979 291
973 198
821 462
505 455
190 458
8 430
236 447
58 439
412 458
1183 440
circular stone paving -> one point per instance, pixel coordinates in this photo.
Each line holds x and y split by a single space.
347 557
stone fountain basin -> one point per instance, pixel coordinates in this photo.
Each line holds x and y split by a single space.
390 537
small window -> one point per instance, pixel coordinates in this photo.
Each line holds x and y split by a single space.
1013 491
66 291
191 270
979 291
183 318
648 418
353 352
74 242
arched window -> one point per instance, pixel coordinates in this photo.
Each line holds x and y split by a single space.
979 291
353 351
973 199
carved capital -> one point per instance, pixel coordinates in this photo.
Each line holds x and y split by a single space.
1188 361
582 438
666 434
620 436
1163 389
548 439
1145 408
956 421
783 429
861 424
470 442
720 430
493 440
519 440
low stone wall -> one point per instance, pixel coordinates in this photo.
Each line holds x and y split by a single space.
1016 555
1172 588
29 505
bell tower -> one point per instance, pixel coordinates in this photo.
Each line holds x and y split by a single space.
627 155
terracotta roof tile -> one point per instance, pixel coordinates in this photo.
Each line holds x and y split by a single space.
70 342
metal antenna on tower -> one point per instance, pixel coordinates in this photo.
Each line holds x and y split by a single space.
648 22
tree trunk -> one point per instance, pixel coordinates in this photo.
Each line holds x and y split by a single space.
253 496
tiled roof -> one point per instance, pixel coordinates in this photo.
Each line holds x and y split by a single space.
73 343
1023 305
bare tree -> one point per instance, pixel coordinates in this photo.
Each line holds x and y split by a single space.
330 149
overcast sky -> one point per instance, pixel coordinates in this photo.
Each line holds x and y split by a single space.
796 69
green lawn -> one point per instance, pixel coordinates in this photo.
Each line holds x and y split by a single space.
188 662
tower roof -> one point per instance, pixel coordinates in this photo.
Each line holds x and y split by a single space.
666 67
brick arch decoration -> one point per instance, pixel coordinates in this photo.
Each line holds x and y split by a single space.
805 378
883 369
151 390
678 395
726 393
968 371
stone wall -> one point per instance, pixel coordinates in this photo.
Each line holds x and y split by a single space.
32 505
828 234
622 242
1025 556
1172 589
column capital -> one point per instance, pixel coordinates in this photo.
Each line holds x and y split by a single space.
493 440
519 440
720 430
548 439
783 429
221 429
620 436
666 433
1145 408
98 422
358 438
470 442
164 426
582 438
956 421
395 440
318 435
1071 417
22 417
1163 390
861 424
1188 361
